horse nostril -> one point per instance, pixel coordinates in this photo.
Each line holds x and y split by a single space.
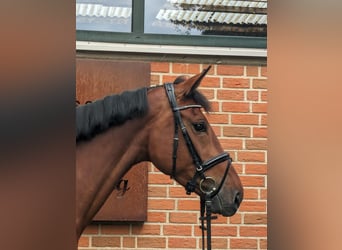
238 199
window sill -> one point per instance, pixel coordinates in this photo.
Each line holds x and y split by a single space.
170 49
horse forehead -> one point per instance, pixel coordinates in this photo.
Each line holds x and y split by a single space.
196 113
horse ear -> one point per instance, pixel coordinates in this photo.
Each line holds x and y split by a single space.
189 85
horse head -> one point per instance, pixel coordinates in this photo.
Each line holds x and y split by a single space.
182 144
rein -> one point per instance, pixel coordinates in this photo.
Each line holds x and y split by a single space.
207 184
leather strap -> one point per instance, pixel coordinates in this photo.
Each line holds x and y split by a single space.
201 167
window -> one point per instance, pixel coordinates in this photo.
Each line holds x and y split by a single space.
221 23
104 15
206 17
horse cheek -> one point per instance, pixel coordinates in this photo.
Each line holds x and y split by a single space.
159 150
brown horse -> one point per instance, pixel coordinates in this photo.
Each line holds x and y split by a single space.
164 125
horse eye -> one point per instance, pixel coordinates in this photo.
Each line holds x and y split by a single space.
200 127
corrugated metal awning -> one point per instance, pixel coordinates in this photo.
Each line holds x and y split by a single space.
211 17
248 3
99 10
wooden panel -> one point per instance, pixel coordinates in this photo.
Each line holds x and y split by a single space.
128 201
96 79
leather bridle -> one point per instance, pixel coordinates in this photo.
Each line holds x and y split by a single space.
207 185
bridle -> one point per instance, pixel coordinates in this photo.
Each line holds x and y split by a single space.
207 185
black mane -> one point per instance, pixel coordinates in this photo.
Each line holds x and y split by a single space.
196 95
200 99
94 118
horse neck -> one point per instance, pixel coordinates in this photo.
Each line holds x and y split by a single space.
118 146
102 161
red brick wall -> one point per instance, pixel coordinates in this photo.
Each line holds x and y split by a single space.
239 100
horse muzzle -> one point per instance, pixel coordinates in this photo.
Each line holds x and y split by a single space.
226 208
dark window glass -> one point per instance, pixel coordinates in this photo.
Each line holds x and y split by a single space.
206 17
104 15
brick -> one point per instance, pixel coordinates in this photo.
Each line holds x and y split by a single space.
179 192
252 181
256 144
235 107
146 229
252 206
263 71
230 70
216 129
218 118
256 231
159 178
238 167
151 242
224 230
235 219
229 144
220 219
179 230
185 68
236 95
211 70
253 95
256 169
160 204
179 217
198 230
161 67
252 71
115 229
248 156
83 241
91 229
243 244
260 132
235 131
128 242
106 241
156 216
235 83
188 205
263 194
212 82
185 243
264 96
245 119
259 84
152 168
215 106
154 191
263 244
263 119
216 243
208 93
250 193
255 219
168 78
155 79
259 107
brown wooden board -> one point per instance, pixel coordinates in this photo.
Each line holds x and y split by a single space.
96 79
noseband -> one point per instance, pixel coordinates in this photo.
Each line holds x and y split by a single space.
207 185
